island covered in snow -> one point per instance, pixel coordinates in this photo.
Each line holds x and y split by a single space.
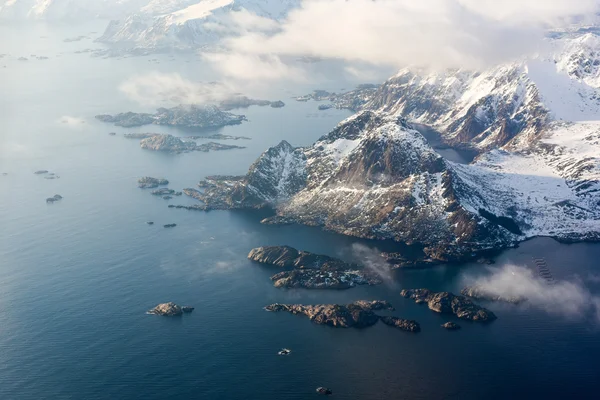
375 176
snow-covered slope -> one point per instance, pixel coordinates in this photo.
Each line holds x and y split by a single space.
510 104
62 9
186 24
374 176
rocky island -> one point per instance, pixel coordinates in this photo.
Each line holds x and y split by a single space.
245 102
182 116
451 326
354 315
172 144
149 182
311 271
449 303
170 310
54 198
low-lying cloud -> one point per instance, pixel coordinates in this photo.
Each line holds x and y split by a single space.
570 299
157 89
429 33
372 259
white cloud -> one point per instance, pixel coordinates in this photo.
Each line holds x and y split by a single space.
565 298
433 33
157 89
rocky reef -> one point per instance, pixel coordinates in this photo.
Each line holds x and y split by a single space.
359 314
449 303
311 271
182 116
148 182
480 293
170 310
172 144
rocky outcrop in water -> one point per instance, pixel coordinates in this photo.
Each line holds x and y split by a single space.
311 271
402 324
182 116
449 303
149 182
54 198
170 310
451 326
479 293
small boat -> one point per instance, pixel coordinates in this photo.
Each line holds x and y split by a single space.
324 391
284 352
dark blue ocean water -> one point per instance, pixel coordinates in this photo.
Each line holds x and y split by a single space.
76 277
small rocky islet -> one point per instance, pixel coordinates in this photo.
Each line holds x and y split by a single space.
311 271
55 198
359 314
170 310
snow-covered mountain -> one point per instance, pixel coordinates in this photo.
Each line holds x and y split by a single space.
510 104
376 177
67 9
186 24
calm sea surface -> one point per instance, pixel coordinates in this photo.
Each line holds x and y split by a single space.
76 277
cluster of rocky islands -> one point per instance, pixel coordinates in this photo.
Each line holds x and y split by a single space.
47 174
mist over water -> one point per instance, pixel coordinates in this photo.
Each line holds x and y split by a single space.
77 276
